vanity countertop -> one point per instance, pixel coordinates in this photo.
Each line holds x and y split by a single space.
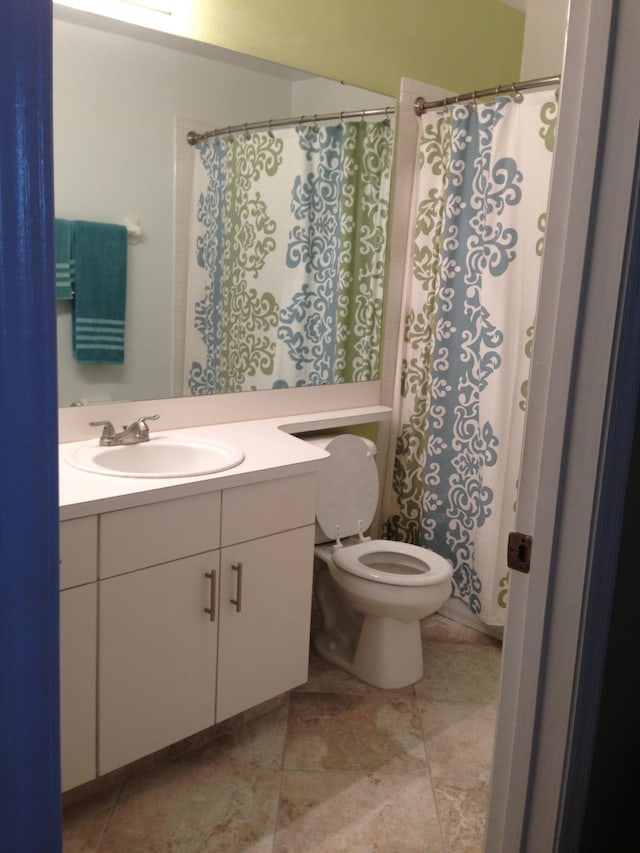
269 446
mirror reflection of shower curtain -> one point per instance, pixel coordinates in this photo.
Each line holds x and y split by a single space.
287 257
478 216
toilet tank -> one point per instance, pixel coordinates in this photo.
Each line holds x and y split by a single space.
347 486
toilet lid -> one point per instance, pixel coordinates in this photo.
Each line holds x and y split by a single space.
347 487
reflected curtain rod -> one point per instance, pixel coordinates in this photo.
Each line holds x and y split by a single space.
421 105
193 138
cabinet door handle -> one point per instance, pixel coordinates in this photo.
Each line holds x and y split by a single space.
211 609
237 567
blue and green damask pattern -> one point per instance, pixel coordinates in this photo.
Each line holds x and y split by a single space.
292 237
309 323
332 326
483 179
234 319
363 240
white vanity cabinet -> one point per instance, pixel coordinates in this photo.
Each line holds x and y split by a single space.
78 649
204 611
157 646
266 571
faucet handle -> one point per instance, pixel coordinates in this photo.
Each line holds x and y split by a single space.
141 426
142 422
108 430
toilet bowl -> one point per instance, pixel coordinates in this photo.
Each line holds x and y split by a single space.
372 593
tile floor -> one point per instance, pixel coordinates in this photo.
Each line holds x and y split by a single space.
335 766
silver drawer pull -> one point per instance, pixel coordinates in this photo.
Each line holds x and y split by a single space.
211 609
237 567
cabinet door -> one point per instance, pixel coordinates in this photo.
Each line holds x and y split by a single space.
264 641
157 660
78 637
78 551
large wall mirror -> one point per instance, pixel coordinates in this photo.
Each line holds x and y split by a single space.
124 99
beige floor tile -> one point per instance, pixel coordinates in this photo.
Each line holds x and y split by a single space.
325 677
332 812
458 737
256 743
196 804
462 808
444 630
84 822
343 732
460 672
366 770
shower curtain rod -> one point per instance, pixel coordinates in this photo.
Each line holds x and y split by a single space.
421 105
193 138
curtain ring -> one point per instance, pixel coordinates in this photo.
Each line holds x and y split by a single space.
269 130
247 135
342 125
316 129
474 100
517 95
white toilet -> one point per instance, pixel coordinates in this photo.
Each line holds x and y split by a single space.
372 593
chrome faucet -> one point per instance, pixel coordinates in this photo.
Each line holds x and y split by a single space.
133 434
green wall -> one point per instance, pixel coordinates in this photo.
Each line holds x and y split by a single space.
456 44
460 45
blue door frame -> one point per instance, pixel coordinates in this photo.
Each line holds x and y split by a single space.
30 819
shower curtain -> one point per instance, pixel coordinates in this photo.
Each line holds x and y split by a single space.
287 257
478 218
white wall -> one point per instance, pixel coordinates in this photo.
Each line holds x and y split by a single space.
544 37
319 95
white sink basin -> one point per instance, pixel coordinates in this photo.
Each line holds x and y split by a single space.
161 456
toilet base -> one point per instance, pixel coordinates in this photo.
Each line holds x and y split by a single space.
388 652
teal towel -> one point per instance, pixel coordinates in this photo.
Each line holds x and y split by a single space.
100 253
64 260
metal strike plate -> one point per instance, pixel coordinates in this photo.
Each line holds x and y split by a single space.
519 552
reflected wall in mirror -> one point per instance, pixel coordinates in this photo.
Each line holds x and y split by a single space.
124 100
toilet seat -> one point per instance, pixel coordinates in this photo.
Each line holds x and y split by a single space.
395 563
